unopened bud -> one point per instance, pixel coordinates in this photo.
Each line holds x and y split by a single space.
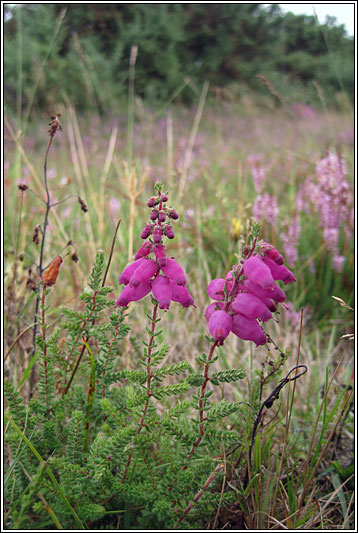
152 201
157 234
173 214
154 214
169 232
162 216
164 198
146 231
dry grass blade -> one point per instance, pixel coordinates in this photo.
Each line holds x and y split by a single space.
106 167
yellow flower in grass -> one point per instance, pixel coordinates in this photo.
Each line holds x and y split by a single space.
236 227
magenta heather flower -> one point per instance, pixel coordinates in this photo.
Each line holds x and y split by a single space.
251 306
160 256
256 270
248 329
146 270
152 270
174 271
129 271
162 291
144 250
220 324
216 289
181 295
131 294
247 294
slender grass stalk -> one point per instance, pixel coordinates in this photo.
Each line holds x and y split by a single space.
130 130
48 508
191 142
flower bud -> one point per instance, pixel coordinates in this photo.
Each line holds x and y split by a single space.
147 230
157 234
250 306
258 272
144 272
220 324
164 198
181 295
160 256
174 271
154 214
173 214
144 250
131 294
162 291
129 271
152 201
248 329
162 216
169 232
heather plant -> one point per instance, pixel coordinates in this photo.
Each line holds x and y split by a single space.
119 434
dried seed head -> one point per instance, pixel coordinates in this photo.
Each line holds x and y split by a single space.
54 124
22 187
35 236
49 277
74 257
82 204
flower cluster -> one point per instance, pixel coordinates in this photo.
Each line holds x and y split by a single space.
152 271
248 293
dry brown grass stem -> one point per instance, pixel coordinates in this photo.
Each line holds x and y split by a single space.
79 160
191 142
133 190
102 185
170 149
17 340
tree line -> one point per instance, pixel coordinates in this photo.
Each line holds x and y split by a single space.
81 52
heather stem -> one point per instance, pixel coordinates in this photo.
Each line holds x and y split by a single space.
149 381
44 229
201 405
43 332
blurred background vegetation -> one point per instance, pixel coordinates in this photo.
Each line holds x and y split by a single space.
70 52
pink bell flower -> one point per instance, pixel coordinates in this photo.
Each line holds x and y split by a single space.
144 250
160 255
131 294
220 324
174 271
162 291
279 272
216 289
256 270
265 295
251 306
181 295
129 271
146 270
248 329
215 306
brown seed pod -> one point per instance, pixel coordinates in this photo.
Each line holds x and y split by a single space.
49 277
